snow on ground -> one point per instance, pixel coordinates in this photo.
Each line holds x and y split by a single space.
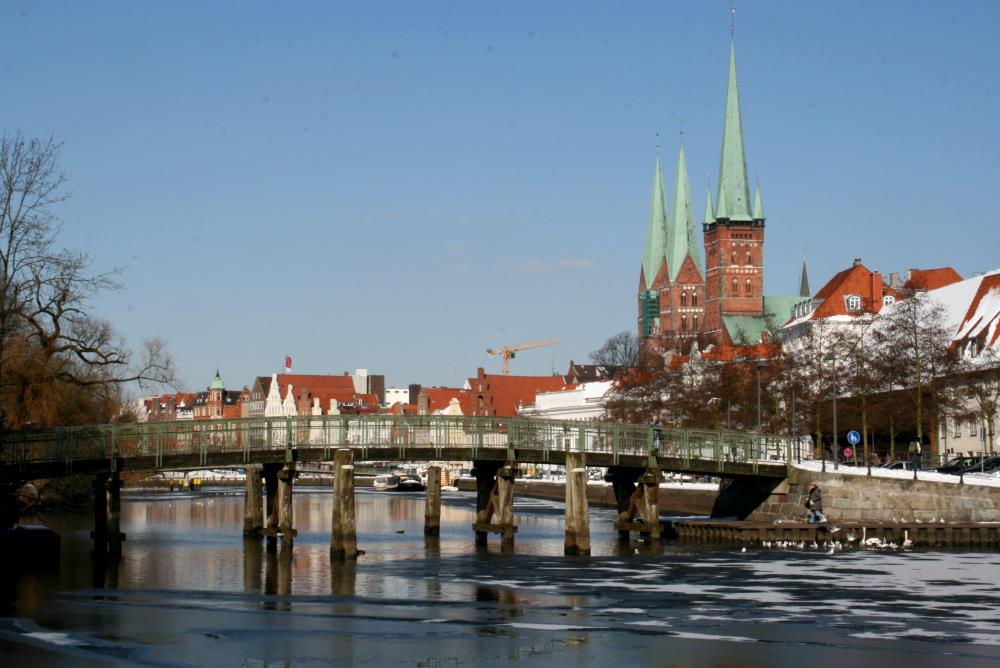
987 480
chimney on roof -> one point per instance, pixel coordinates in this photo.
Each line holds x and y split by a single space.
414 393
857 261
423 404
480 373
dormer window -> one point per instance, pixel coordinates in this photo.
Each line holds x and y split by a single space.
853 302
888 300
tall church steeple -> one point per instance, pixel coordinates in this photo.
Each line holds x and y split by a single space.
804 281
683 240
734 191
656 233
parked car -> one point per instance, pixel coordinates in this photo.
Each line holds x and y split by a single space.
897 465
988 466
958 464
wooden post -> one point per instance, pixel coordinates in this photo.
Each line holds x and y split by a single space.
286 476
253 503
623 483
343 537
648 503
253 558
100 532
432 508
577 507
485 474
505 501
271 504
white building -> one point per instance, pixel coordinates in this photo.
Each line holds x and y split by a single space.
583 402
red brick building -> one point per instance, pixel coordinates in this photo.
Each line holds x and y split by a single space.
502 394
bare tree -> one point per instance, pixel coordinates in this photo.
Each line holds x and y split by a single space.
46 334
916 342
621 350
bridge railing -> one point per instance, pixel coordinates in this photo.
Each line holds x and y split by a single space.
462 436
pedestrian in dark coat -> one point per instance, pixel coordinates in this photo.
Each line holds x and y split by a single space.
814 502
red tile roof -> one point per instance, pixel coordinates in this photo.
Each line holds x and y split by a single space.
440 397
931 279
978 322
503 394
857 280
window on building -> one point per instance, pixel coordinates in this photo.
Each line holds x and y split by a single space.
684 323
972 428
684 299
749 287
888 300
736 287
694 322
853 303
734 257
694 299
957 432
749 259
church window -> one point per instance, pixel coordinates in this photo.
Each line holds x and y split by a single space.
736 287
694 299
853 303
694 322
684 299
749 287
749 260
734 257
684 323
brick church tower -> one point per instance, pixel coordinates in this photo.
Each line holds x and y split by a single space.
734 234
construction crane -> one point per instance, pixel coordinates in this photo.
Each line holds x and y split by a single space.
509 352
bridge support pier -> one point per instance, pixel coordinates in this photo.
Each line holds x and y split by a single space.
495 501
9 512
432 508
271 504
636 493
577 507
286 478
343 536
107 533
253 503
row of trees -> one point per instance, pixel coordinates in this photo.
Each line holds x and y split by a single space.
890 376
59 364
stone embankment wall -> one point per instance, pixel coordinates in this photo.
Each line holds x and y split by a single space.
859 498
673 500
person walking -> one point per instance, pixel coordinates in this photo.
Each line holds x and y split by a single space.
814 502
915 455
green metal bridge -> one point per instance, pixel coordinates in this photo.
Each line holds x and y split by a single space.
187 444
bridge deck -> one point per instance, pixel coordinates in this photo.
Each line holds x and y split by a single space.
222 443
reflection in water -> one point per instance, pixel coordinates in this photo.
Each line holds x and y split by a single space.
189 590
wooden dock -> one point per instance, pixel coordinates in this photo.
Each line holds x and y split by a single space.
944 534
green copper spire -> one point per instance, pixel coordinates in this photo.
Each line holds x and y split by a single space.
683 242
734 193
709 214
656 235
758 207
217 383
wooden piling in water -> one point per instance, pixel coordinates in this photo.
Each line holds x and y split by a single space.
286 479
432 508
495 502
271 504
253 503
343 535
577 539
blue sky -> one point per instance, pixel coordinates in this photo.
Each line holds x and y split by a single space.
400 186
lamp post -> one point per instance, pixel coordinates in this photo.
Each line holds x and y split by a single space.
760 365
836 446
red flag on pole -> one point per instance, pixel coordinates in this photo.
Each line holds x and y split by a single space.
288 362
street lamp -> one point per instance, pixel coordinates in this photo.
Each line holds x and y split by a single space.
760 365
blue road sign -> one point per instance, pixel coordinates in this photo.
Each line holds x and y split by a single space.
853 437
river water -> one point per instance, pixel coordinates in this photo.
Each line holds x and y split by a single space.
189 591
